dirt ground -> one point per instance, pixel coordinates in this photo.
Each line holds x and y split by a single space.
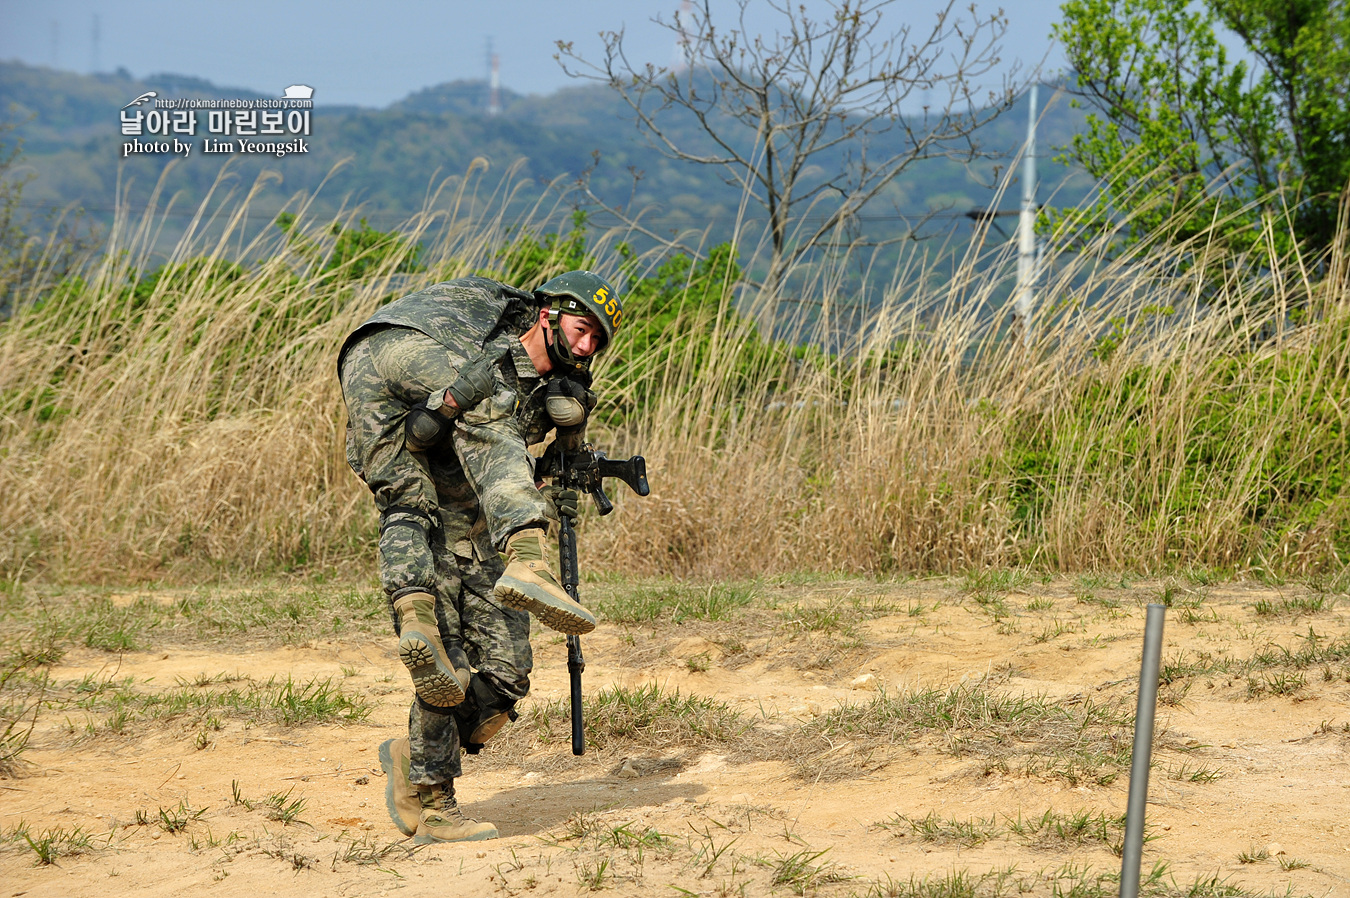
1248 795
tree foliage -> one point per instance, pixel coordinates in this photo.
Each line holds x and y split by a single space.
1188 136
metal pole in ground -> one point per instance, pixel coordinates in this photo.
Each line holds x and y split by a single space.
1132 855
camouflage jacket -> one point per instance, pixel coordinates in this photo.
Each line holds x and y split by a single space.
470 317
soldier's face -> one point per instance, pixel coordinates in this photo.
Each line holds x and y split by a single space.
583 333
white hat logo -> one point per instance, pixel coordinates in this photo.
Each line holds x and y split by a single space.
143 98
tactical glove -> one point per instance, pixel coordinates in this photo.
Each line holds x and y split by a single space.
474 383
427 425
564 501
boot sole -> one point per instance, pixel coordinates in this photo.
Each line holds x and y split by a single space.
476 837
550 611
434 683
390 799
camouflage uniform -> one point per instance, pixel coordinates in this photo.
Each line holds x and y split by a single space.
445 512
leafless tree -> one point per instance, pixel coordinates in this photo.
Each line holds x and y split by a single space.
809 119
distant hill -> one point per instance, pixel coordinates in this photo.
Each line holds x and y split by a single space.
70 125
454 97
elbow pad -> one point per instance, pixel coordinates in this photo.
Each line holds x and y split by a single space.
567 402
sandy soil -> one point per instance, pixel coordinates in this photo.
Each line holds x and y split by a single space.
1247 774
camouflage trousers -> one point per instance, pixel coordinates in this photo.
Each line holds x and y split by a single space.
497 641
442 513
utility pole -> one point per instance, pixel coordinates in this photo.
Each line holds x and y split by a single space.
1024 298
494 81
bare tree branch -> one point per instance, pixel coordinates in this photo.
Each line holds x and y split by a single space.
809 118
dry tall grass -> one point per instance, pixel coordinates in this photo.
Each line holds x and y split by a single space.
197 431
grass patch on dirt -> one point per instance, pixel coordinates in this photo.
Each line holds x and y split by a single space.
802 871
825 633
646 716
269 615
1295 607
278 807
1050 831
115 707
1275 669
51 844
1053 831
24 682
839 615
1075 740
1067 881
675 602
950 831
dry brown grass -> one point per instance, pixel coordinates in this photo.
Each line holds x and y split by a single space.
199 431
928 466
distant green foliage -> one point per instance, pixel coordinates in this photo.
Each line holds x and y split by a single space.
13 241
681 294
39 251
356 252
682 316
394 154
528 260
171 281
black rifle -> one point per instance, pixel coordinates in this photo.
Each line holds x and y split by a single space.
584 471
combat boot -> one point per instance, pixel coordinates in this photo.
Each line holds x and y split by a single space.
529 585
400 796
437 681
441 819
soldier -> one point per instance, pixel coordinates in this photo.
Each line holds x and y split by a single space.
445 389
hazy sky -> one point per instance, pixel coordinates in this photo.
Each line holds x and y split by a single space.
371 54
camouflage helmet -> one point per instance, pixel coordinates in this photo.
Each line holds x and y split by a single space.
584 293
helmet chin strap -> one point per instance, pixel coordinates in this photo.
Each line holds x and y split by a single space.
559 350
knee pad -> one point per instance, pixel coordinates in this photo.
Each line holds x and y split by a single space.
483 712
407 516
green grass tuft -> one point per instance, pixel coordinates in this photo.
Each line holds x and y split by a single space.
966 833
53 844
800 872
647 715
1076 740
675 602
113 706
